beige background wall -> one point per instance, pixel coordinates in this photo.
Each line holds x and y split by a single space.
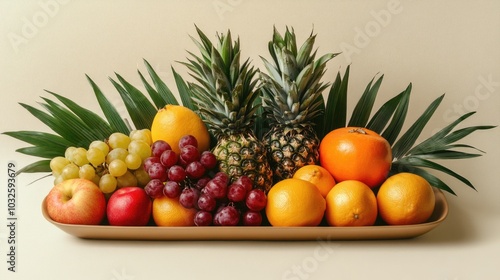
440 46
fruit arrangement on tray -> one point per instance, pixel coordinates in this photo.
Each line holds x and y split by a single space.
243 147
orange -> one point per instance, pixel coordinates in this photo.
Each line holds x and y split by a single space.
351 203
405 199
294 202
169 212
317 175
352 153
173 122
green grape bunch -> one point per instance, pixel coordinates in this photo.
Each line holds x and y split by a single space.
110 163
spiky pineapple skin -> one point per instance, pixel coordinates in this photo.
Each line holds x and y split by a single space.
290 149
244 154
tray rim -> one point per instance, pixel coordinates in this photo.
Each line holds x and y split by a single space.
260 233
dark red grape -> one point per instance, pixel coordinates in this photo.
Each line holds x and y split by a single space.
256 200
172 189
216 189
195 170
168 158
189 197
252 218
157 171
189 153
149 161
206 202
236 192
176 173
203 218
202 182
158 147
154 188
228 216
188 140
245 181
221 178
208 160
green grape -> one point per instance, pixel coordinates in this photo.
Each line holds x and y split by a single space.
140 148
142 177
108 183
141 135
58 180
57 164
87 172
133 161
117 167
127 180
118 153
80 156
118 140
96 156
132 135
70 171
101 145
69 153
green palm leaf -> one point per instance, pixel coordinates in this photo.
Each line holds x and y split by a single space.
184 92
410 137
90 118
398 117
39 151
161 88
380 119
114 119
336 104
35 167
71 123
363 109
38 138
157 99
139 108
388 122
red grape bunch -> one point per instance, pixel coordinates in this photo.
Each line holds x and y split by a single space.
222 203
192 177
171 173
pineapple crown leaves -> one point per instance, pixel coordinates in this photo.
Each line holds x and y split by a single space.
292 87
388 121
226 89
74 125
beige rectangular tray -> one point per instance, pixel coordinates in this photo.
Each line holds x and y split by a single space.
257 233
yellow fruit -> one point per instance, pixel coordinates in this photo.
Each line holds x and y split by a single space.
169 212
351 203
295 202
318 176
173 122
405 199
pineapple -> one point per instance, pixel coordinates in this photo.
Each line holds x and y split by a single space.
225 95
292 99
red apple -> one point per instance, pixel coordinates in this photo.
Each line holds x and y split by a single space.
129 206
76 201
